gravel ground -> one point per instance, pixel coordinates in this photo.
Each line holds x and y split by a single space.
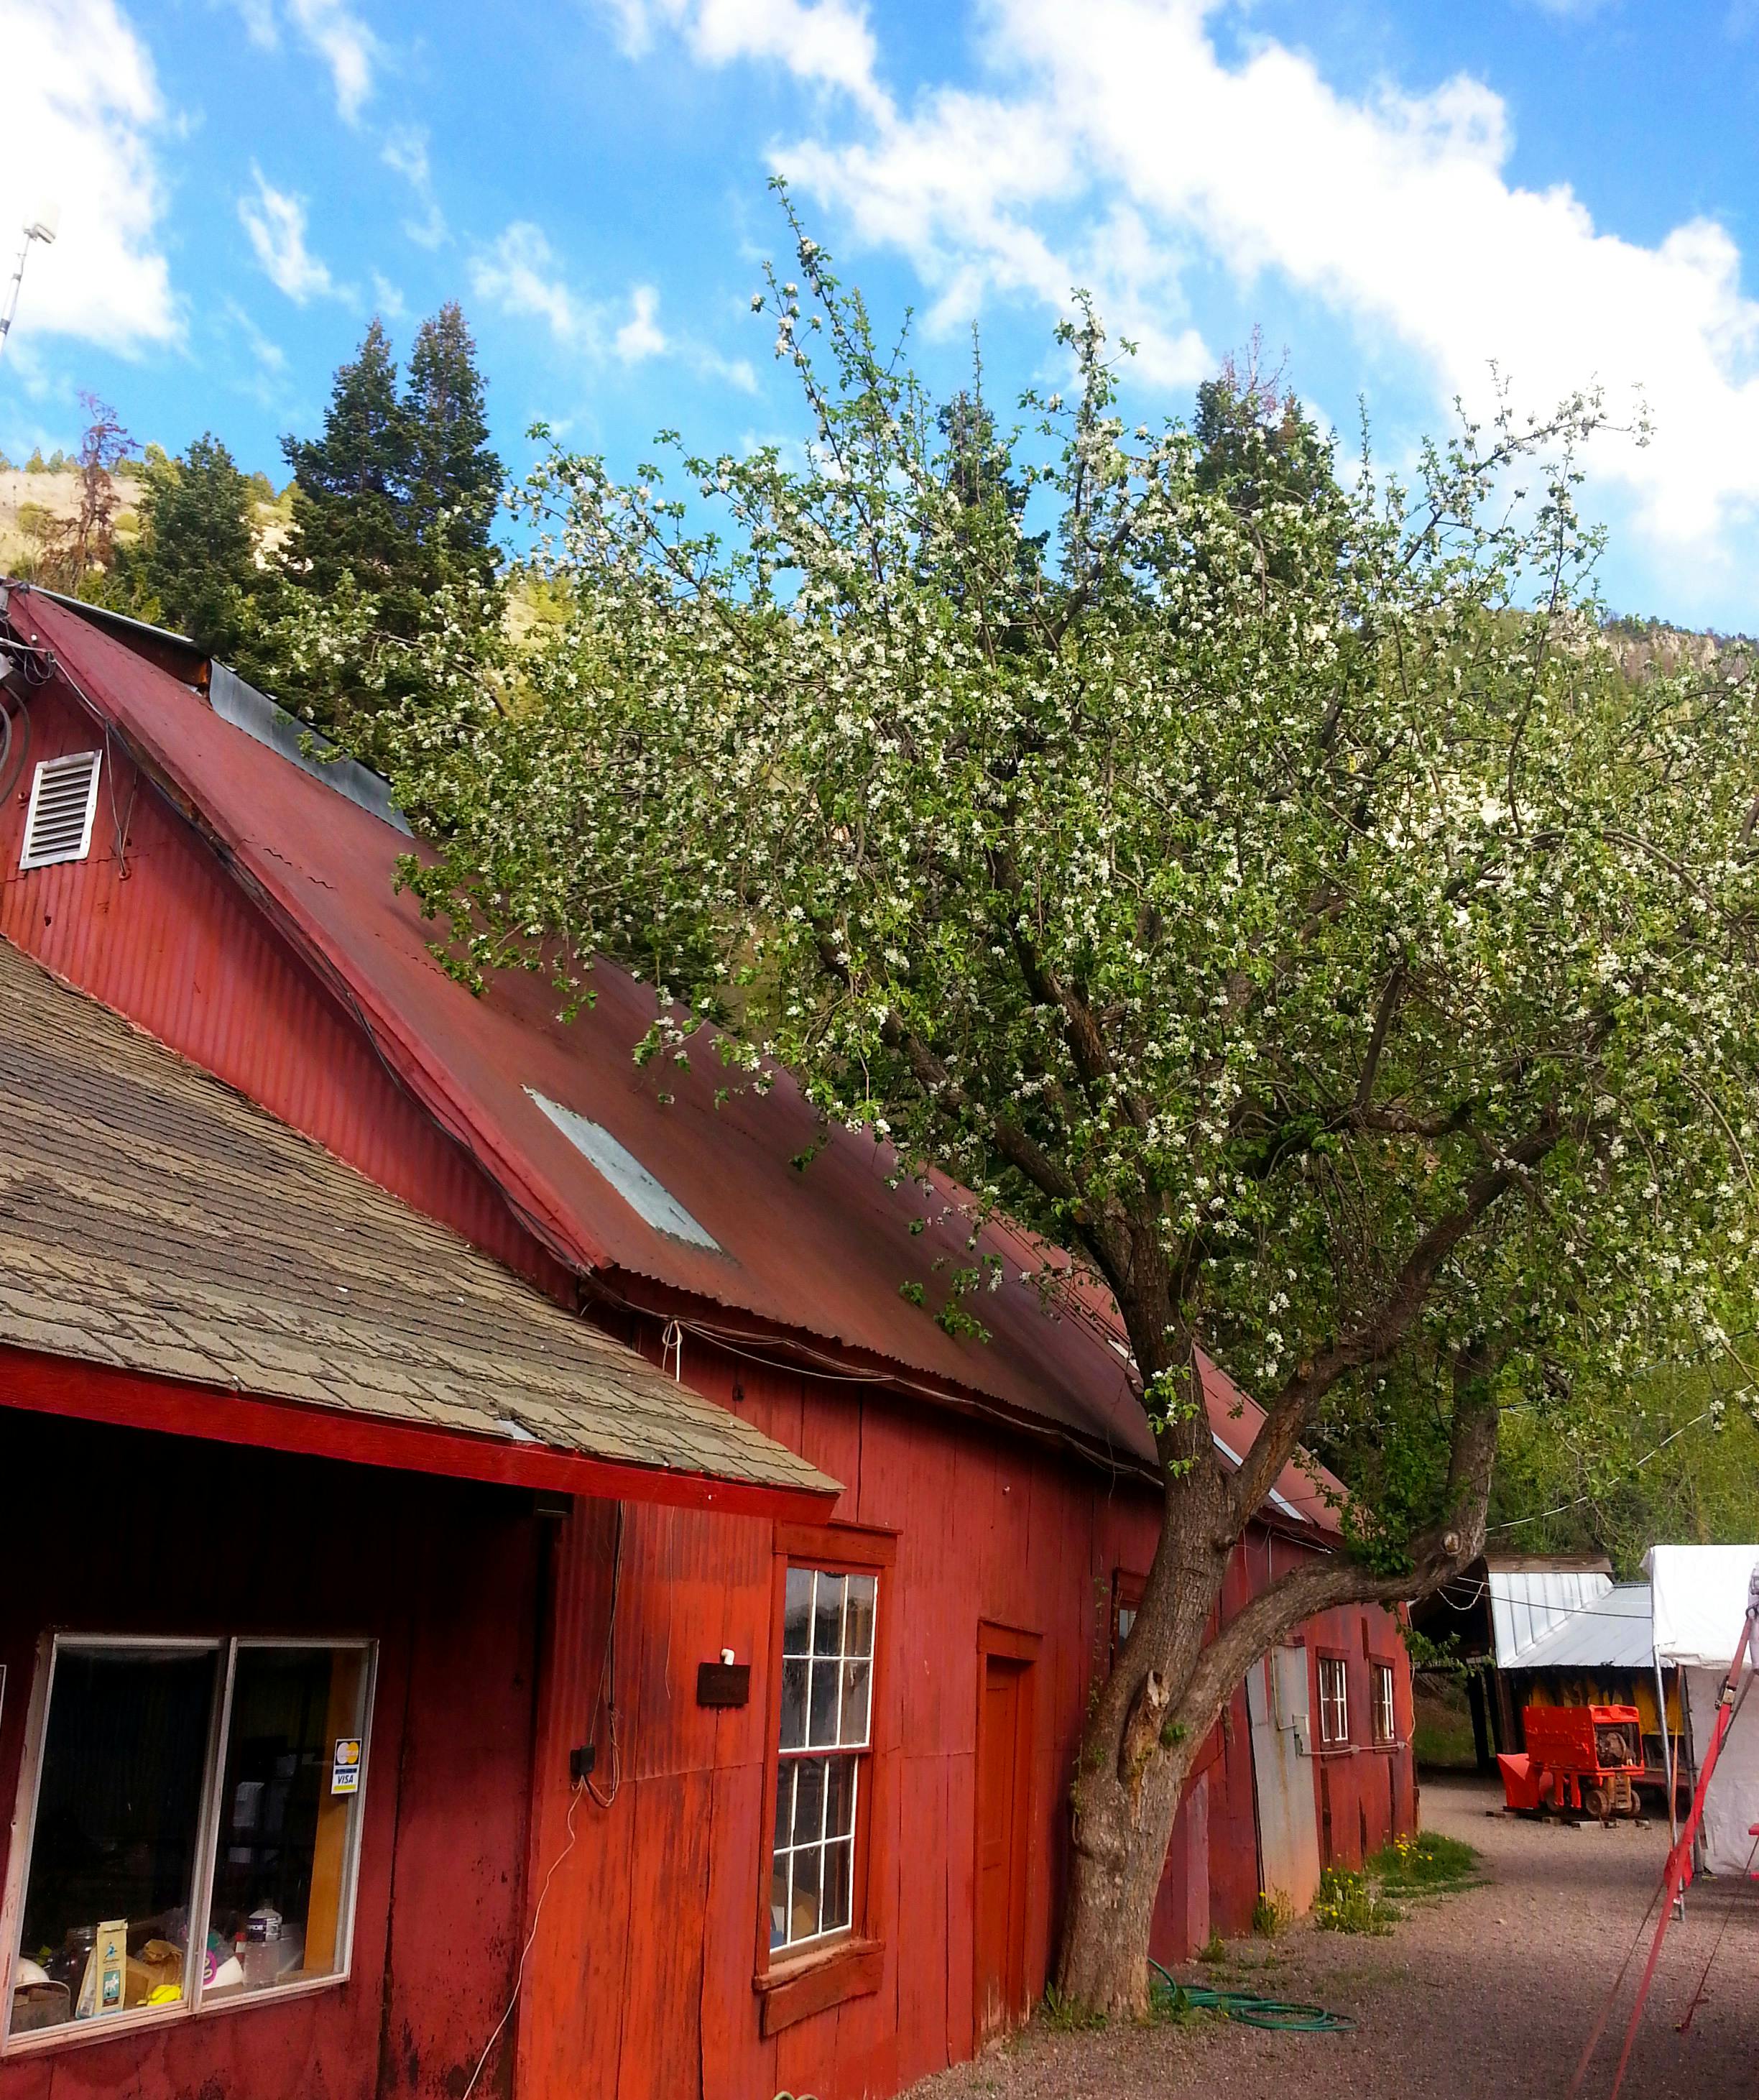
1488 1995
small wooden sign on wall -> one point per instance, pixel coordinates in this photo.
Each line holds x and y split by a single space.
723 1683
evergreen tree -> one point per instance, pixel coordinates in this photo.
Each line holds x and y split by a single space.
399 493
393 503
194 567
350 504
455 480
1256 443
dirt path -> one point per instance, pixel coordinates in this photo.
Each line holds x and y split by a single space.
1488 1995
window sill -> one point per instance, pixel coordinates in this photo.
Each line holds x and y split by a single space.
815 1982
142 2020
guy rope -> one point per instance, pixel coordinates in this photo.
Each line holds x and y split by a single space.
1677 1872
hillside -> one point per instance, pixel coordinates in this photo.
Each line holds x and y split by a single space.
29 500
33 503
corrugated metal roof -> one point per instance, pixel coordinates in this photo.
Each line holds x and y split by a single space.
821 1253
152 1221
1610 1630
1527 1602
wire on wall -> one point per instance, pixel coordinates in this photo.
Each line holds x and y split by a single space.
605 1702
519 1978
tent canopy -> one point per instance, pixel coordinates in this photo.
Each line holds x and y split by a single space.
1699 1599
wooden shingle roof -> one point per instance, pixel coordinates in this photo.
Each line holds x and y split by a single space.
153 1222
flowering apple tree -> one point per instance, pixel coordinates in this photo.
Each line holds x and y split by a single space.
1261 883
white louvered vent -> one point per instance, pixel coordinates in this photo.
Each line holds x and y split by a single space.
64 796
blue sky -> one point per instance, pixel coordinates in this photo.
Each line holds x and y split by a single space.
1396 194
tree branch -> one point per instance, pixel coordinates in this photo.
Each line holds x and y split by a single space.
1437 1554
1373 1338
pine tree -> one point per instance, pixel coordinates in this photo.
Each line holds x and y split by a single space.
194 567
455 480
351 502
393 502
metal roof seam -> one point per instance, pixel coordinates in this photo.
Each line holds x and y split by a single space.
942 1396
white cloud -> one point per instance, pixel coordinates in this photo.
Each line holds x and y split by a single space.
405 153
261 370
1395 210
735 371
825 42
640 335
269 355
522 275
388 298
334 31
276 221
82 111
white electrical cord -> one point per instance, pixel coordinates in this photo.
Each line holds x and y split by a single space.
519 1973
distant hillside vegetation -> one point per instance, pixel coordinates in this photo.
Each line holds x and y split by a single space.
38 500
1643 646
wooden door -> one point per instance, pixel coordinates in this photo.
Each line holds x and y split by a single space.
1004 1773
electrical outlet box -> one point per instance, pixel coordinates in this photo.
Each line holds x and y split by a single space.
581 1761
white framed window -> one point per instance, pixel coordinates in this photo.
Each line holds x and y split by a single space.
1334 1700
824 1750
1385 1714
64 799
190 1817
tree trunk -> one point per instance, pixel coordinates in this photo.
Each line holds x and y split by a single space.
1136 1753
1139 1741
1167 1688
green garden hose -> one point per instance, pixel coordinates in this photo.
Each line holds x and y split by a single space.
1245 2006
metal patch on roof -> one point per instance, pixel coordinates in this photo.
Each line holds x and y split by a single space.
648 1199
234 700
1277 1496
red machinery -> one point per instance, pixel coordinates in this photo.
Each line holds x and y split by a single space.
1577 1759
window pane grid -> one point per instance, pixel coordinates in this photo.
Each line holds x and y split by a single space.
1385 1718
1335 1700
825 1723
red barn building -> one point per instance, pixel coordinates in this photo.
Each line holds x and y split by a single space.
828 1707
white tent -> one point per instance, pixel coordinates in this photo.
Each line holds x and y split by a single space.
1698 1598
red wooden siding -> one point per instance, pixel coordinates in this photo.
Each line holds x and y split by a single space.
167 1536
1365 1792
640 1980
164 936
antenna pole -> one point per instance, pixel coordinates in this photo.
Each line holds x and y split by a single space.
31 233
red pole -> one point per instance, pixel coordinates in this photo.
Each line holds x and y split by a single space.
1679 1868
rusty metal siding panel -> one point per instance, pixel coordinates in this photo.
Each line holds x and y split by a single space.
165 938
985 1526
821 1253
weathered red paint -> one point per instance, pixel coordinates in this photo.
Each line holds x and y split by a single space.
819 1254
1365 1793
166 1536
163 934
264 943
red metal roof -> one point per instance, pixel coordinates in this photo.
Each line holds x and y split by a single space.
821 1253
